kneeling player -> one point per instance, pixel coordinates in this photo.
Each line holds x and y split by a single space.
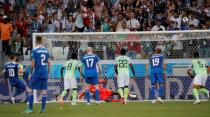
200 71
122 70
13 69
69 79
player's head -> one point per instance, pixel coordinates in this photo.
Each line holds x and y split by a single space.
39 40
196 55
123 51
74 55
89 50
158 51
12 57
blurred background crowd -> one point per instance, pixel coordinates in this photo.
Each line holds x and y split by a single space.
20 18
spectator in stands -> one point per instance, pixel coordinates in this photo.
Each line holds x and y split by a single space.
105 25
31 8
49 26
17 46
89 28
133 24
158 26
193 20
6 29
35 25
79 26
124 28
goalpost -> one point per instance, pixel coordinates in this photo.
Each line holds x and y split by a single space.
177 47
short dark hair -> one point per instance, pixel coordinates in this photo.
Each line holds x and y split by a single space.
39 39
158 50
74 55
123 51
196 54
12 57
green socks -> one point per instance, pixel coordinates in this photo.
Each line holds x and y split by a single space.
74 95
203 90
126 93
195 93
63 93
120 91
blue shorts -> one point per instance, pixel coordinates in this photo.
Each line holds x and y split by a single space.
157 78
91 80
38 83
17 83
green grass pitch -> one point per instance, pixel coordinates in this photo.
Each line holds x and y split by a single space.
132 109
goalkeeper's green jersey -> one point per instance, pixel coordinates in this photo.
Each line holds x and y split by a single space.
70 67
199 67
123 63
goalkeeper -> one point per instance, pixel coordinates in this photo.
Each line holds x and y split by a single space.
199 71
70 82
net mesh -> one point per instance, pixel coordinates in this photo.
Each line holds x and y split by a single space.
177 47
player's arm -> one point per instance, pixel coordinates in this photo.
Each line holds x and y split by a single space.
147 70
61 71
132 69
49 65
208 69
32 65
99 70
115 69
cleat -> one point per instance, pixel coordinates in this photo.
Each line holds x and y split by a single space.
122 100
61 101
159 99
153 101
42 111
98 103
28 111
88 103
73 103
197 102
13 100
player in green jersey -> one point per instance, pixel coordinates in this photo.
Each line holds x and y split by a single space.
122 70
200 71
70 82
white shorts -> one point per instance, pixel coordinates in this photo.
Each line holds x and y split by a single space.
70 82
123 79
200 80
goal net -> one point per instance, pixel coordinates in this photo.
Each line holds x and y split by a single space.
177 47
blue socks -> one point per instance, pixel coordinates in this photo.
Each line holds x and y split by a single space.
161 91
30 100
153 92
87 95
44 99
97 94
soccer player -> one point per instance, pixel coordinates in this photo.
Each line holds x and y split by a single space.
69 79
199 67
40 69
157 68
13 69
91 66
122 70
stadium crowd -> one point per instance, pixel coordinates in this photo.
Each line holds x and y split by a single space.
20 18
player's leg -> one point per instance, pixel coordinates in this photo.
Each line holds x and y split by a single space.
20 88
43 88
87 89
202 88
94 81
126 90
161 87
153 86
65 91
121 85
196 86
73 86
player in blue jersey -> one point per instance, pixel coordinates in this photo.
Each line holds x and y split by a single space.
40 69
90 69
12 69
157 68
